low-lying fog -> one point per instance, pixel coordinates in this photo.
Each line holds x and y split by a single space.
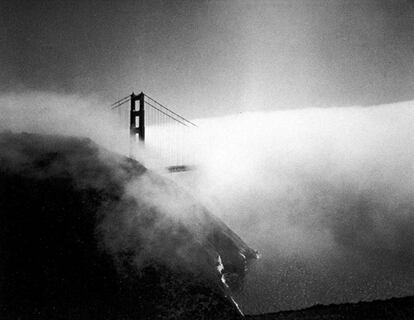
325 195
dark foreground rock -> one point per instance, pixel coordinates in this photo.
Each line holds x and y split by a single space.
87 234
392 309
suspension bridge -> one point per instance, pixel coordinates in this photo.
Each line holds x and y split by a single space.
162 131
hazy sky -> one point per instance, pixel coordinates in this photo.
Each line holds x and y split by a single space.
209 58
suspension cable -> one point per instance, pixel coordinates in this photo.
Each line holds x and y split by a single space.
119 104
120 100
164 107
151 105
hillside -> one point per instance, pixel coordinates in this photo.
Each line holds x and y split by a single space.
88 234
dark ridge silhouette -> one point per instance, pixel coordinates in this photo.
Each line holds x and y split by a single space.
391 309
82 238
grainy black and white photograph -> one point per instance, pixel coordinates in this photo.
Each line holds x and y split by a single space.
206 159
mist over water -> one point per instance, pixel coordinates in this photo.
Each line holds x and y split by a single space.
325 195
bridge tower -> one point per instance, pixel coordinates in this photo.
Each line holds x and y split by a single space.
140 113
134 113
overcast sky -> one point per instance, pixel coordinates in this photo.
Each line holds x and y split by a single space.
210 58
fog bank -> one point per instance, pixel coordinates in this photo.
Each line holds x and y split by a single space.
326 195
